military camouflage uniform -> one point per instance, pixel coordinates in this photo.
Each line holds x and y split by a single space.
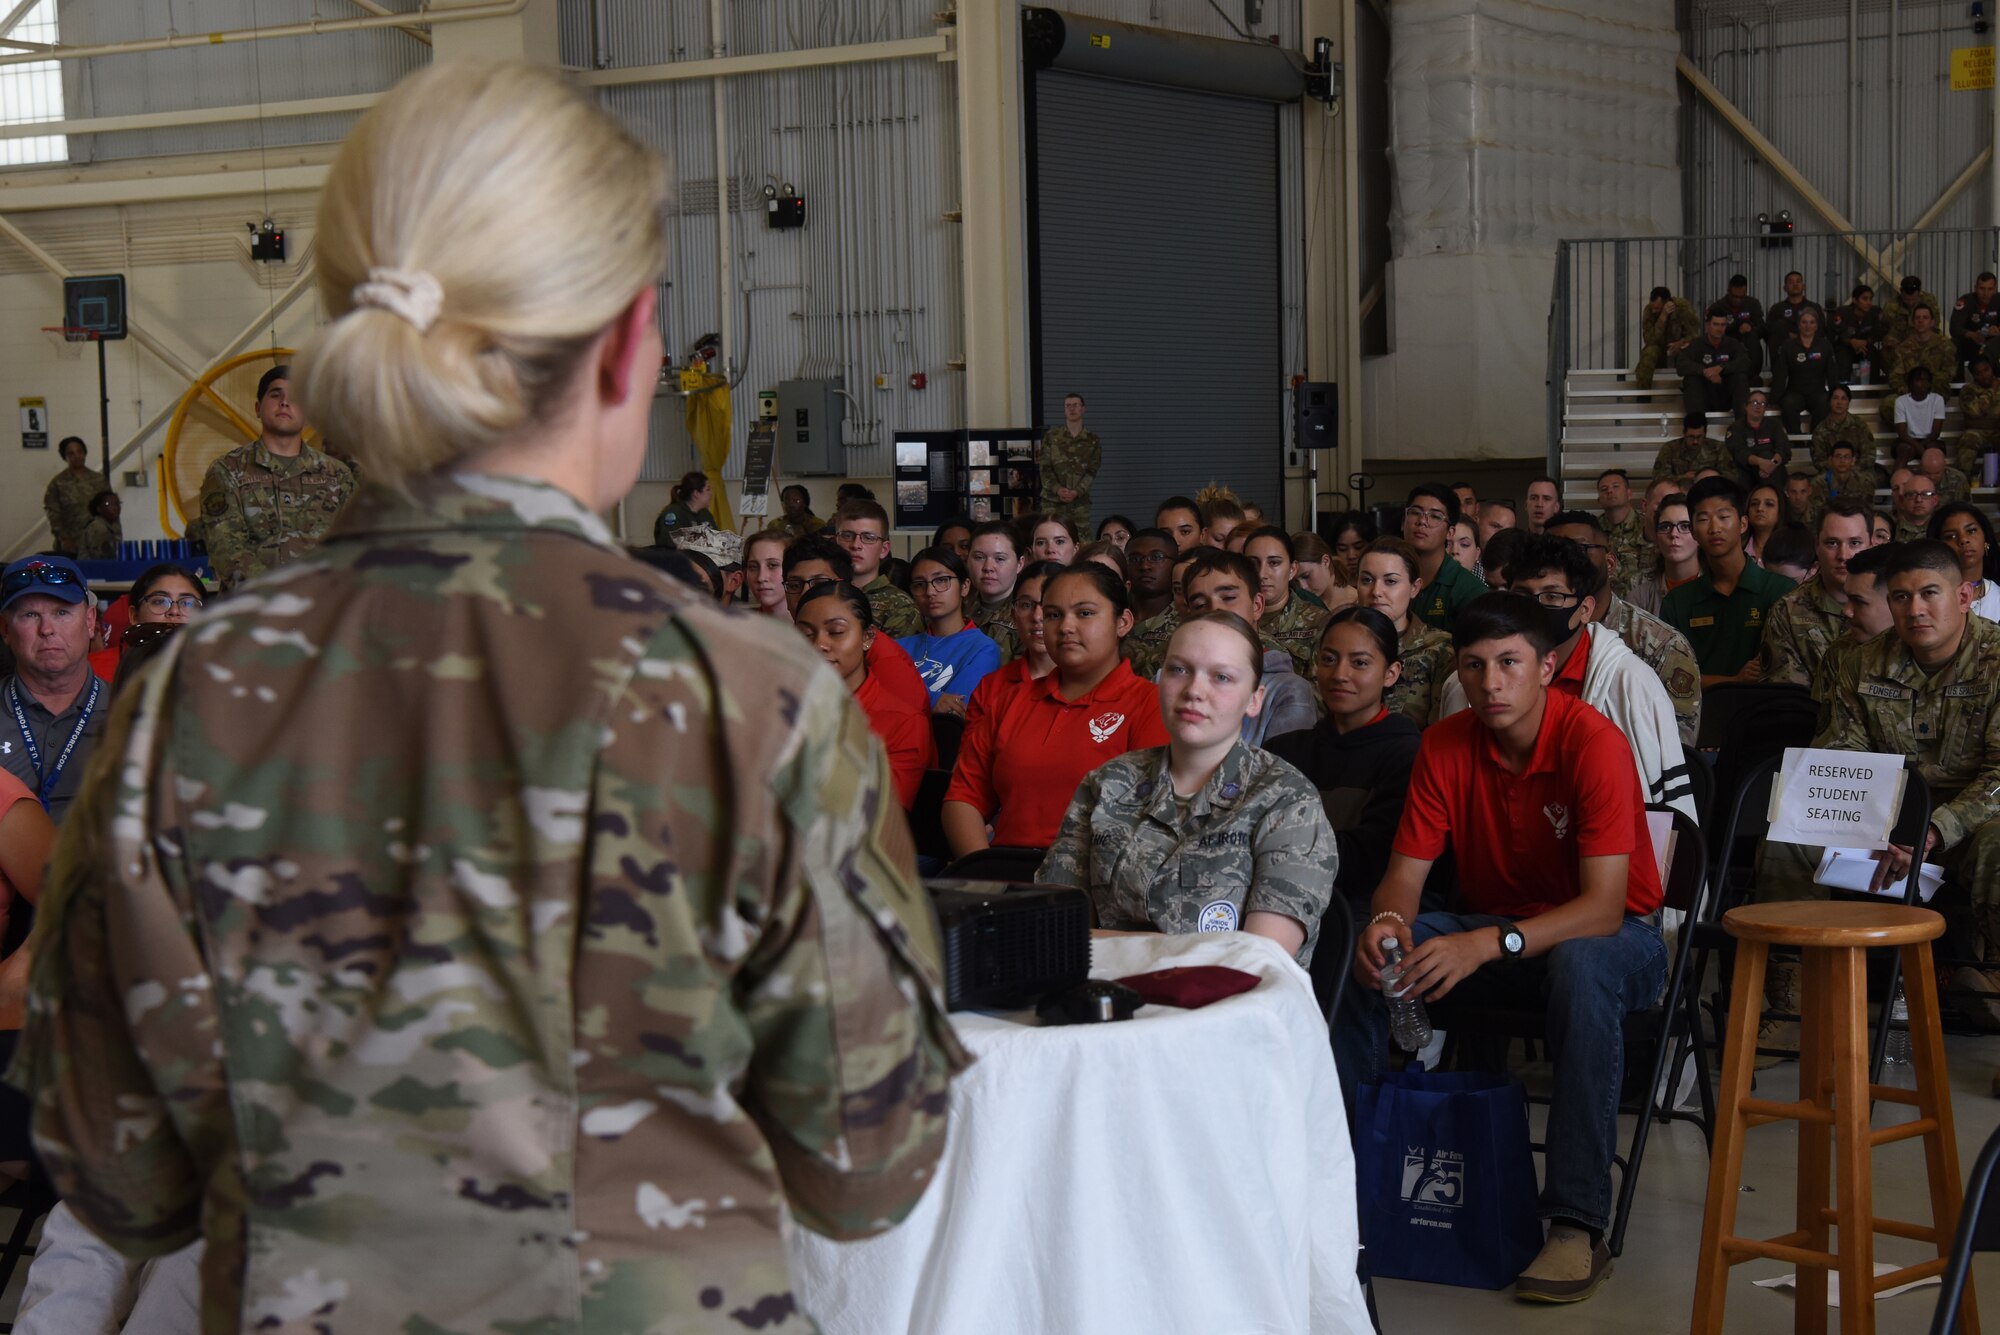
1253 840
1908 530
794 529
100 540
1668 653
1676 323
997 620
473 930
1858 485
1952 485
1677 458
261 509
1979 416
1935 356
895 613
1878 699
1428 659
1897 319
1146 646
1296 628
1850 429
1630 543
67 505
1069 461
1798 630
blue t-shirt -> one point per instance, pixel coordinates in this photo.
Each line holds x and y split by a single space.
952 664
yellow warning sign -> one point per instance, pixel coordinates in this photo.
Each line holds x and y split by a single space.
1971 68
1102 40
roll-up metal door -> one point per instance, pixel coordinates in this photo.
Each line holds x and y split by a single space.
1154 249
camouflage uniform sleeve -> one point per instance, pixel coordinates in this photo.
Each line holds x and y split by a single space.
223 525
1784 662
1842 726
854 1049
899 617
57 512
120 1054
1294 859
1068 858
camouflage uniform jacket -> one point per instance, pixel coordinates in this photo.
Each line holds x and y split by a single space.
1630 543
1669 654
1254 840
1858 485
1427 660
1069 461
1896 317
67 505
261 509
997 620
1980 409
1799 629
895 612
1952 485
473 930
1677 458
1296 629
1672 324
1852 430
1949 721
99 540
1907 529
1937 356
804 527
1146 646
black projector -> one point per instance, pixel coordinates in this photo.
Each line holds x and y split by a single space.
1008 946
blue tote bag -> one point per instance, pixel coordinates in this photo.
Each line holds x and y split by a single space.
1446 1178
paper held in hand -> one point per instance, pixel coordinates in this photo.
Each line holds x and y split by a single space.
1854 869
1846 799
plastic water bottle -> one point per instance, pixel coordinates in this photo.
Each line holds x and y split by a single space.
1408 1023
1898 1051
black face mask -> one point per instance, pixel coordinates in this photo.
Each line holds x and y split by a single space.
1557 619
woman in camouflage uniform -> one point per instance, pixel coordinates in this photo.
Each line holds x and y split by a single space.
1390 582
1206 833
469 927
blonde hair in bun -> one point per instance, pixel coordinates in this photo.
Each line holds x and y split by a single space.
526 211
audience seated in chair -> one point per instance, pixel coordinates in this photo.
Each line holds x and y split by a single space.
1538 798
1227 582
952 655
837 621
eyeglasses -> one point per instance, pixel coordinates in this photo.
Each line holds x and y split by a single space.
38 572
849 537
1149 558
1916 495
166 602
1592 546
796 585
1428 516
1027 605
936 583
1548 597
1667 527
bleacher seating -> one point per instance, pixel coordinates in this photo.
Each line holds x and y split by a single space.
1609 422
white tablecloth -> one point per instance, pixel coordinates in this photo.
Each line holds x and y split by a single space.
1182 1173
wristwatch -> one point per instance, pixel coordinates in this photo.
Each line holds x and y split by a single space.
1512 943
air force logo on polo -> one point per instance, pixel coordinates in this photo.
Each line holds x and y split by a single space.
1105 726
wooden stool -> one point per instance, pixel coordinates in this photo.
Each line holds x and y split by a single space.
1832 1110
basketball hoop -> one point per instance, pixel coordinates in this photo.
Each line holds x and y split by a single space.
67 341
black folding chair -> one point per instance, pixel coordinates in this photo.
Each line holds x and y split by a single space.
947 730
1701 777
927 816
1742 723
1746 819
997 864
1333 957
1978 1231
1663 1025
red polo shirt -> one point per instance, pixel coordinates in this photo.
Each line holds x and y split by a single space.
1569 680
898 672
905 732
995 687
1518 837
1025 757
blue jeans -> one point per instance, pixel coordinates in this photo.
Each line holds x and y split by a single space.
1586 986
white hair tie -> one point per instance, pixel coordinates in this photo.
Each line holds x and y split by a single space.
410 293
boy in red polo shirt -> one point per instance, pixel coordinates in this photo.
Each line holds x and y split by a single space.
1538 796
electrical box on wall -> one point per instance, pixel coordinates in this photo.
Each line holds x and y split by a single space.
786 210
809 418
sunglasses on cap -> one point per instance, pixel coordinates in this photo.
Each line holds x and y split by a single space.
37 572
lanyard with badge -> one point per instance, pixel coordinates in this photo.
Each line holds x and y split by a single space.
46 783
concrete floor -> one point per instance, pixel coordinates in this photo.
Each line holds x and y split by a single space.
1651 1289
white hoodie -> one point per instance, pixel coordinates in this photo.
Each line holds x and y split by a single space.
1618 684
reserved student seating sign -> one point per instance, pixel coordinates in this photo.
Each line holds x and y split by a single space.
1847 799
